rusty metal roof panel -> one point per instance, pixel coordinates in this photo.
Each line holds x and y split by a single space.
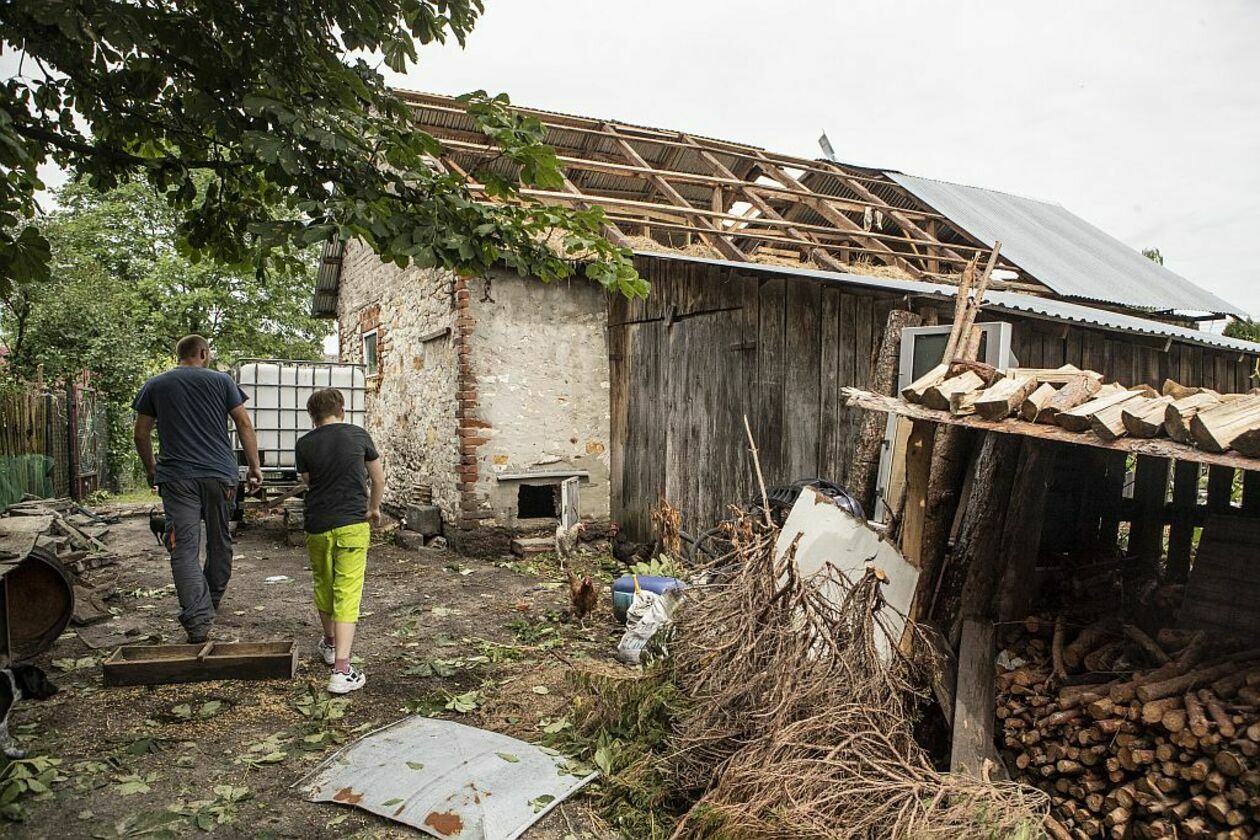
1063 251
446 779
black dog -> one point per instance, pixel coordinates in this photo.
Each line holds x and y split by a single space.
20 682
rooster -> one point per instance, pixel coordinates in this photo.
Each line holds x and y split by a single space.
627 551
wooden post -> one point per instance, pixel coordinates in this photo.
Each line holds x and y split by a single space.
1021 537
1220 488
1251 492
1185 496
1150 492
918 470
864 469
974 700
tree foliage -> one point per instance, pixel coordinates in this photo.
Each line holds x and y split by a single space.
279 106
1244 328
1154 255
120 294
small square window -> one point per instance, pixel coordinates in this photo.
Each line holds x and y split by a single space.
370 357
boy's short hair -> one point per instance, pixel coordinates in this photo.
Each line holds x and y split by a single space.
326 402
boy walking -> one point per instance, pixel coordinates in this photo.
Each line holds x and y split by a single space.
337 460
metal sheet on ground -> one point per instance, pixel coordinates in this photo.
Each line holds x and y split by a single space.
831 535
446 779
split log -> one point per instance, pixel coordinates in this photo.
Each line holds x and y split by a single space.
915 390
989 375
937 396
1077 419
1179 392
1215 429
1179 413
1196 719
1079 390
1248 443
1054 376
1144 417
1035 403
1004 398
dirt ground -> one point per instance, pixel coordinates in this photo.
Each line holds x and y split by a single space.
435 626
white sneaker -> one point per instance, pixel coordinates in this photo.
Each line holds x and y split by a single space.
340 683
327 652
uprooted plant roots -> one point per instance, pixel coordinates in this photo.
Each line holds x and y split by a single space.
781 711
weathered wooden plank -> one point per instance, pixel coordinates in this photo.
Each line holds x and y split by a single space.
831 462
1185 496
801 387
1150 492
974 700
771 369
1220 487
1021 532
1251 492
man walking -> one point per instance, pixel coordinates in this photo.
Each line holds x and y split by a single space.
195 473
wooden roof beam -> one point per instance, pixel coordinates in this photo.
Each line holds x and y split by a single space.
706 229
842 221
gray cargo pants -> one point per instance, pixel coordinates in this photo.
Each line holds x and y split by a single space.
186 503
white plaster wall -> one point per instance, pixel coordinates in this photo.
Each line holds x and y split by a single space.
540 356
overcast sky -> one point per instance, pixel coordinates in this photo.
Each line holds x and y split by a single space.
1141 117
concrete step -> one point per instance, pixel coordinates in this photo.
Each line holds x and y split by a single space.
525 546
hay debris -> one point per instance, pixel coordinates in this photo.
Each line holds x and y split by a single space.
786 722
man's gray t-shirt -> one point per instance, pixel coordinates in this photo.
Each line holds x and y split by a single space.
191 405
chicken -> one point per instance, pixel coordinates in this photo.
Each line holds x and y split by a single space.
567 540
584 594
627 551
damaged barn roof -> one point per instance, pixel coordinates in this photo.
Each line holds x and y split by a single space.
1062 250
664 190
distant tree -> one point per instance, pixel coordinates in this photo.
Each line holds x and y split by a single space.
121 293
279 109
1153 255
1244 328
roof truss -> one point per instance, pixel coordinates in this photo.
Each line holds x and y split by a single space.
742 202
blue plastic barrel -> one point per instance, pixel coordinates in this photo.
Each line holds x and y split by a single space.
623 591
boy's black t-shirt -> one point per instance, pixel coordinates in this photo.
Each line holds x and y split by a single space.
335 457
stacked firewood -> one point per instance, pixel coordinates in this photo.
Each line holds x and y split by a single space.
1133 736
1079 401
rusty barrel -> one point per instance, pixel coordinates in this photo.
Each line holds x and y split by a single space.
38 601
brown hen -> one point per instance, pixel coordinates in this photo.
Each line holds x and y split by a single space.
584 594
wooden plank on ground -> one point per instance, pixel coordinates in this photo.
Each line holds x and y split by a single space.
163 664
974 700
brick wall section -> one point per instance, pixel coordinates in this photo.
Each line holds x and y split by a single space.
470 428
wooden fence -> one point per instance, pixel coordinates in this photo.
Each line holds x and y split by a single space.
52 442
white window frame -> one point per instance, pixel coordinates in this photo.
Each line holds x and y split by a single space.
372 361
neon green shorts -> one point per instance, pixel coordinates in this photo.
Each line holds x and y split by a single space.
338 563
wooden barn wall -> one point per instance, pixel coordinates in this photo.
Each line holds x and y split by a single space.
712 344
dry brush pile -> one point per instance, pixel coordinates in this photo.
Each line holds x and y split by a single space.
774 715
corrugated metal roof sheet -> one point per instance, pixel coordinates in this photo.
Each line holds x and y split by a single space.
1063 251
1059 310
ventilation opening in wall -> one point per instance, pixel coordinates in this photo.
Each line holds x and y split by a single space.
534 501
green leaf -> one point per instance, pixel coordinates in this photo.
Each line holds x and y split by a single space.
389 802
415 765
509 757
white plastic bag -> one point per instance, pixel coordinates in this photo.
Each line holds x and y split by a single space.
648 613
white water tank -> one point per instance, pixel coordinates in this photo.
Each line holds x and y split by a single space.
278 390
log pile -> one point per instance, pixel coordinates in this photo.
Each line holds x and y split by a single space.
1133 736
1079 401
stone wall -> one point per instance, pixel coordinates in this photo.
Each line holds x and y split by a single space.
539 358
411 403
480 379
